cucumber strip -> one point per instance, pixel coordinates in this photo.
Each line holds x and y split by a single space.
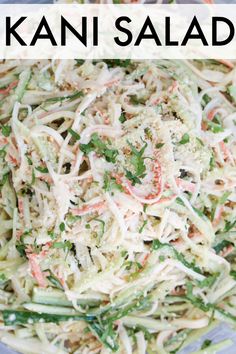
58 298
24 333
17 317
214 348
11 263
177 341
22 85
9 198
172 308
4 249
50 297
150 323
195 334
224 316
59 310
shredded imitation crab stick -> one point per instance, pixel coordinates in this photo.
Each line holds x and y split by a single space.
35 270
151 198
185 185
87 209
226 152
227 63
212 114
8 88
218 215
227 250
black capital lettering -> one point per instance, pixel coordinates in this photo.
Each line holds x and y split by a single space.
142 35
124 30
227 40
82 37
167 30
199 35
11 30
95 31
48 35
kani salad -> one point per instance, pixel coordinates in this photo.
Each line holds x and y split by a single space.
117 204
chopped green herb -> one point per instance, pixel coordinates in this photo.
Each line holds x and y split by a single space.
206 344
97 145
4 179
136 101
124 253
102 226
213 210
159 145
32 178
206 99
208 281
220 246
143 226
86 330
42 169
3 278
117 62
21 247
215 127
71 219
137 160
229 225
233 274
6 130
79 61
122 118
61 99
212 162
184 139
200 141
134 179
3 153
106 334
62 226
199 213
110 183
75 135
29 160
198 302
54 280
179 201
64 245
224 197
148 133
128 265
136 265
52 235
156 245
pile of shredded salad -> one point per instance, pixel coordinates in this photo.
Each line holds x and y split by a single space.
117 204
